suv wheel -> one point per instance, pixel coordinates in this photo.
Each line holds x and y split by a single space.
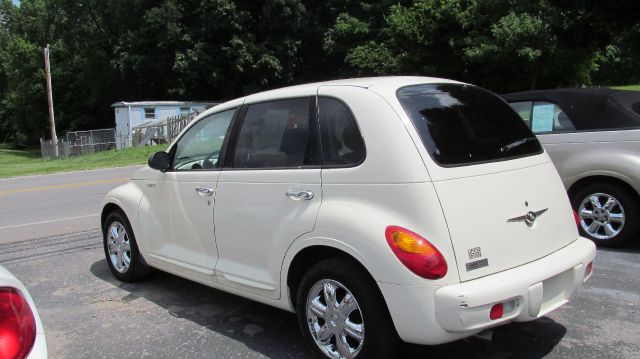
608 213
121 250
342 314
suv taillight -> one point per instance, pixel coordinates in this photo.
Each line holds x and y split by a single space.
416 253
17 325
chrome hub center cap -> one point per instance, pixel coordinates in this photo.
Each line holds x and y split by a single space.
336 323
601 215
334 320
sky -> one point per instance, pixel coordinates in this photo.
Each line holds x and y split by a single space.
16 2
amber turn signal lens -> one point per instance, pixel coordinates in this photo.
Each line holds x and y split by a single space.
411 244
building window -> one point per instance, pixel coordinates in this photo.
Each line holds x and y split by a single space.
149 112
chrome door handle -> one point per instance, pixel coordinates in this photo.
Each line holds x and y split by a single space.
298 195
204 191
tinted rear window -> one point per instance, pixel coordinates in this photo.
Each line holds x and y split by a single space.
463 124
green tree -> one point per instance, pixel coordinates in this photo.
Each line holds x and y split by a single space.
22 72
503 45
618 62
107 51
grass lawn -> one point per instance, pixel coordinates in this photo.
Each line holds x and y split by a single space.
19 163
630 87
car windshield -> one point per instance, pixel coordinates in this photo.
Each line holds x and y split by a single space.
463 124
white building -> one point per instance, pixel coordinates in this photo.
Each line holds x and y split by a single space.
129 115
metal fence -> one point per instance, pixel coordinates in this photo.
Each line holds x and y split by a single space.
84 142
164 131
79 143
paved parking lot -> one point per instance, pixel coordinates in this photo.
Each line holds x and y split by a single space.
88 314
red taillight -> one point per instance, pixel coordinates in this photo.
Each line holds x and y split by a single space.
17 325
589 269
416 253
497 311
577 218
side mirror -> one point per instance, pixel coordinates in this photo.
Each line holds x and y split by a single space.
160 161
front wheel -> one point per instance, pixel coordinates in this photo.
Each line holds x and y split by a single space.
608 213
342 314
121 249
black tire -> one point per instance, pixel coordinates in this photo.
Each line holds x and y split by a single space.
380 337
627 203
137 268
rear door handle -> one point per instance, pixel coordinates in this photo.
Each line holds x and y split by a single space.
298 195
204 191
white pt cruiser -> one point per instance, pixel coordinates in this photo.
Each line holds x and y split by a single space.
377 209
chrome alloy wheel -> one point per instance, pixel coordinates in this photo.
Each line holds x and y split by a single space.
119 247
335 319
601 216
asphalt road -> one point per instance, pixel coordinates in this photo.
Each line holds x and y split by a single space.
48 205
88 314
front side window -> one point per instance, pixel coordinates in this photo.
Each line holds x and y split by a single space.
275 134
342 144
463 124
200 146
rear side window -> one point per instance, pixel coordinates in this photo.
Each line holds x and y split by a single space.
462 124
542 116
342 143
275 134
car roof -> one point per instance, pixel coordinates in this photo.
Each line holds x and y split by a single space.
393 82
589 108
380 83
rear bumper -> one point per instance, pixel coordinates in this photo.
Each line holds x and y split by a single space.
426 315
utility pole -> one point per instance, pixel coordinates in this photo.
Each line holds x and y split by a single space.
52 120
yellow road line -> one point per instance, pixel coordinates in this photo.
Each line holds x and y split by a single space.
62 186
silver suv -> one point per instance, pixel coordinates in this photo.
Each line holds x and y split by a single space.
593 138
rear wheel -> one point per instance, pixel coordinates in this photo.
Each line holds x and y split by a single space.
608 213
342 314
121 249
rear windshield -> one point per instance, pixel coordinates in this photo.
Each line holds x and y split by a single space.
463 124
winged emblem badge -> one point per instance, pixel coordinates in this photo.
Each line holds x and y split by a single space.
529 218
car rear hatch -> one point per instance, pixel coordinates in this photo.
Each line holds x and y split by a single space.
488 224
503 200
